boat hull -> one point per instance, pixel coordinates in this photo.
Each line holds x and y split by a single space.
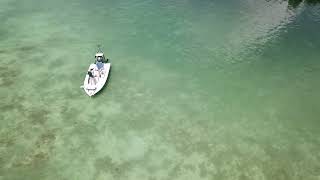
93 88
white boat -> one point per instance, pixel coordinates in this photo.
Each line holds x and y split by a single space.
97 75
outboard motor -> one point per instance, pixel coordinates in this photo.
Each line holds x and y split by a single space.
99 59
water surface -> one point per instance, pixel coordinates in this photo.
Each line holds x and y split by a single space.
198 90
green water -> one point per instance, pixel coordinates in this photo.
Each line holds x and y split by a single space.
198 90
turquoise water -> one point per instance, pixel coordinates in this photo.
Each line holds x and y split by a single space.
198 90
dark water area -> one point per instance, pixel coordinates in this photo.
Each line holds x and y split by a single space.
296 3
198 90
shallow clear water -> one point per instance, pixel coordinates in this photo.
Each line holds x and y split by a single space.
198 90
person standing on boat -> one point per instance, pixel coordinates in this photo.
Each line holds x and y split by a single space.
91 77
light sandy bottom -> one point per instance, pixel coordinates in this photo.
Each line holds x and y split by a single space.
198 90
